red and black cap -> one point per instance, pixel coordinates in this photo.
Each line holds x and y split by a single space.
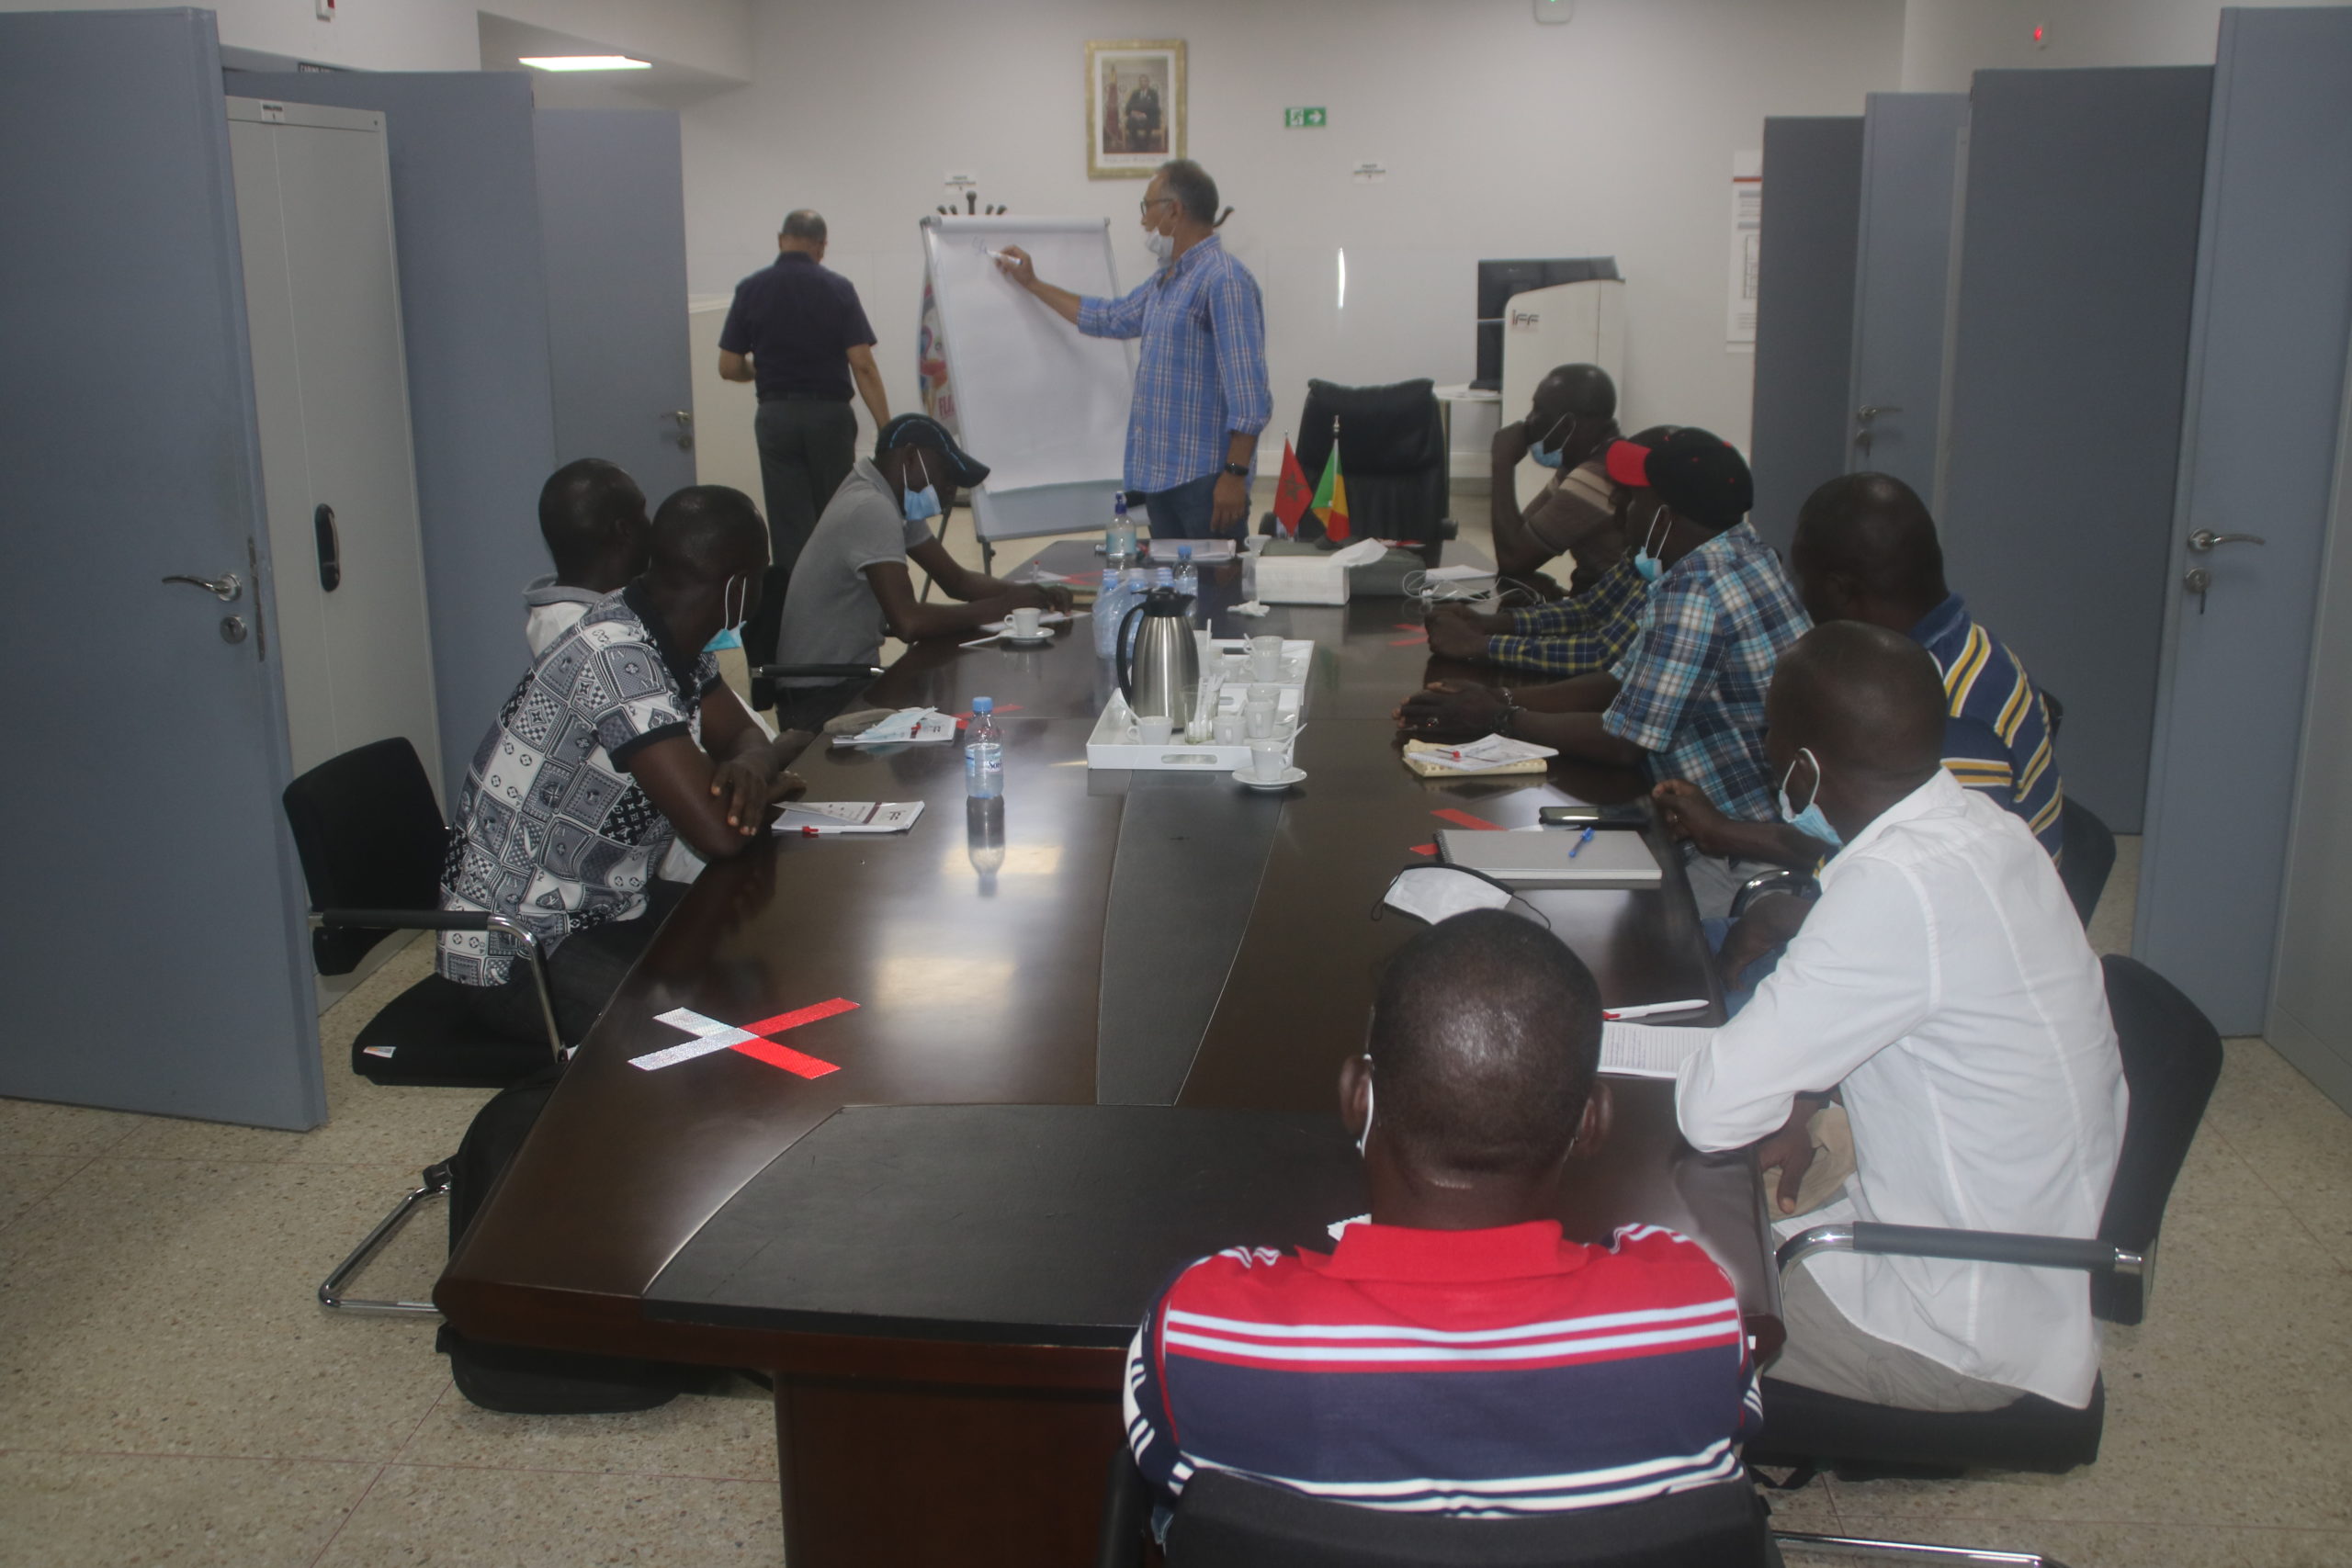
1694 471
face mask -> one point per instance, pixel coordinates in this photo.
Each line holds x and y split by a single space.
1549 454
732 634
1161 246
1435 892
922 505
1645 560
1810 821
1370 1087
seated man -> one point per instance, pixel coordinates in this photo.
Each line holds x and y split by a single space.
1373 1375
592 517
1866 550
1687 700
851 587
1944 982
592 767
1571 419
1591 628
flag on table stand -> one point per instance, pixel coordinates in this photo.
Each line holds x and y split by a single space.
1293 495
1331 495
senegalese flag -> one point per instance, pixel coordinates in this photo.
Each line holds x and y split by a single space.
1293 495
1331 497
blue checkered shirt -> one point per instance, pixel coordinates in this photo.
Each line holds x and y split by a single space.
1202 372
1692 686
1578 634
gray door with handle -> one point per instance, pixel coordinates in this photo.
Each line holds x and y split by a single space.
612 208
2260 459
158 959
1902 269
1804 313
2070 338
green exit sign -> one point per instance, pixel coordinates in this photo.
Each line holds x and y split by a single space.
1299 120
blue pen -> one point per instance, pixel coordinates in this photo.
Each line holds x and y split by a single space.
1582 840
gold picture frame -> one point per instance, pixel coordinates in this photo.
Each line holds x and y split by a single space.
1135 106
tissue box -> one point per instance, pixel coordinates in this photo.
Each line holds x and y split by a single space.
1292 572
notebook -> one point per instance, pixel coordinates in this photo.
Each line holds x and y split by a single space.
1548 857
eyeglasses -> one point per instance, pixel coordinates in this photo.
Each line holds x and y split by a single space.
1145 207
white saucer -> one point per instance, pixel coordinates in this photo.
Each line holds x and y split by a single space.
1289 777
1043 640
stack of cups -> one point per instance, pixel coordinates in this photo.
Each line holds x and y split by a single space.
1265 659
1258 712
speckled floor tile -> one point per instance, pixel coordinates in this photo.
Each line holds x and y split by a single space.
521 1518
1811 1508
2295 1138
36 1129
2110 1545
24 1182
729 1436
162 1306
160 1512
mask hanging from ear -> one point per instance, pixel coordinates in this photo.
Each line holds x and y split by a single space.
1810 821
1645 560
1549 453
922 505
732 608
1370 1087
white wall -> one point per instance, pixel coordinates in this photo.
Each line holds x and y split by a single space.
1502 137
1945 42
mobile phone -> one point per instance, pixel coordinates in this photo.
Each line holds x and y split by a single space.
1628 814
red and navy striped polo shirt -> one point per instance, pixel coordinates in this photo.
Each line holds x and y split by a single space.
1996 731
1474 1372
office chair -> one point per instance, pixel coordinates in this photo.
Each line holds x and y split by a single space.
768 624
1392 453
371 841
2172 1057
2090 855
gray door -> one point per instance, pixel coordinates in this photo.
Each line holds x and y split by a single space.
156 960
2070 343
612 208
1804 313
2260 455
1902 269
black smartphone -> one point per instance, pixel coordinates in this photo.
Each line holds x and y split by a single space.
1629 814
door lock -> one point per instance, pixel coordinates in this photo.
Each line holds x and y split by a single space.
232 628
685 421
225 587
2197 581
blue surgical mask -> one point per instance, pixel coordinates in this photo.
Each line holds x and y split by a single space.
1646 561
732 634
922 505
1549 454
1810 821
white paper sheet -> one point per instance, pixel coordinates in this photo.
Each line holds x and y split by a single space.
1648 1051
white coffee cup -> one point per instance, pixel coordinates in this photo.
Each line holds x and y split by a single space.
1266 762
1226 728
1024 622
1258 720
1265 659
1153 730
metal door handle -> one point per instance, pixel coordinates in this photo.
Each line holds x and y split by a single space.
685 418
225 587
330 544
2205 539
1872 411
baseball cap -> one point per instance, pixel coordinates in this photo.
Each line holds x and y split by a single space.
1694 471
921 430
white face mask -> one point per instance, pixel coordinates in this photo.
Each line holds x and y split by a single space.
1161 246
1435 892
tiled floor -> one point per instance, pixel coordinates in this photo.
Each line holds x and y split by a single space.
169 1393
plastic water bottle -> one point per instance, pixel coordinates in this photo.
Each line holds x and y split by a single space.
983 753
1139 584
1119 539
1110 604
1188 583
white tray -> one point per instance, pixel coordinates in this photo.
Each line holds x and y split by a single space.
1109 748
1298 658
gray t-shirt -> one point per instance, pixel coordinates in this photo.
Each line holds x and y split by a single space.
831 615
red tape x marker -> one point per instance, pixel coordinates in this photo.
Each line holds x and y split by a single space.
1421 634
784 1057
1423 849
1459 818
799 1016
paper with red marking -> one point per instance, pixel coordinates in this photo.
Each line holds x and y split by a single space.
1463 820
784 1057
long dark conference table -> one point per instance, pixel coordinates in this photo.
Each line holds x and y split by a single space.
1149 940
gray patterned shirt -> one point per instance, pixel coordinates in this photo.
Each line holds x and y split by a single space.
551 827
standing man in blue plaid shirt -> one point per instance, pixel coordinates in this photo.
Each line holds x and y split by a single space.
1200 392
1687 700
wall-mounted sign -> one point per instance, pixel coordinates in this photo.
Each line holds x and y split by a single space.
1369 174
1303 120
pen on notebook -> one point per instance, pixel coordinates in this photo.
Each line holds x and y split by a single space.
1582 840
1650 1009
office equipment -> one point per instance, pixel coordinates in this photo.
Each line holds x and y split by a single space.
1044 407
1498 281
1553 859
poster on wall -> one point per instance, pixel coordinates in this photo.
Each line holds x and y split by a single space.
1134 107
1746 230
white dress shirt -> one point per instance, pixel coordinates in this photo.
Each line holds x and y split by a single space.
1945 981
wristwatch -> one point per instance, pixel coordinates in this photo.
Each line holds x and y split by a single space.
1503 719
1238 470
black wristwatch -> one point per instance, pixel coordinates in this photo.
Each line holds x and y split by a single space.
1238 470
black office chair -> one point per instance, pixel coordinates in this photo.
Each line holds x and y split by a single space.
2172 1057
371 841
1392 452
2090 855
762 633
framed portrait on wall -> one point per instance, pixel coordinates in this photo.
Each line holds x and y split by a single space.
1135 106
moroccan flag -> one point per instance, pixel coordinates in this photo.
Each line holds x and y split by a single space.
1291 493
1331 498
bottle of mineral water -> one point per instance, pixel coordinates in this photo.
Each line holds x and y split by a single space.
1110 604
1188 583
983 753
1119 538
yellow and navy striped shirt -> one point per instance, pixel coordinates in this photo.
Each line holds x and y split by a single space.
1996 731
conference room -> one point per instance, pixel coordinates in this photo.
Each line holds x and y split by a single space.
1086 783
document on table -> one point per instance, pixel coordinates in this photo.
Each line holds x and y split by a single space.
908 725
1491 751
826 817
1648 1050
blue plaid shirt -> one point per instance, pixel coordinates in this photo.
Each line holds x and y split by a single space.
1692 687
1202 373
